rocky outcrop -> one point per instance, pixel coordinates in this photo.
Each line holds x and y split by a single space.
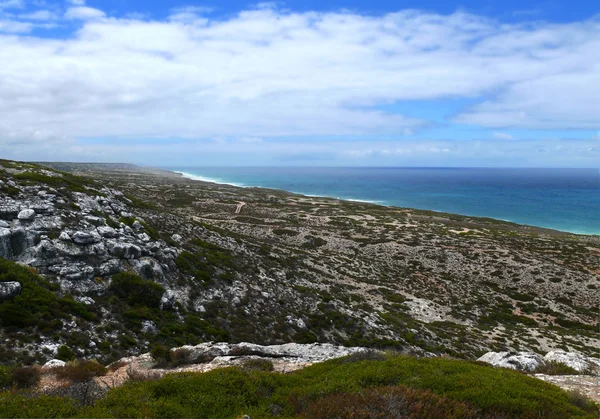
77 236
9 290
524 361
574 360
530 361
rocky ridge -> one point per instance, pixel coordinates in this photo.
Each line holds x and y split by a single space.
286 268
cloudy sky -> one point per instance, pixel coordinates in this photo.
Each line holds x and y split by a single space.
480 83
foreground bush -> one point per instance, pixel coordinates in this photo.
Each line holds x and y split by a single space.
436 388
388 402
80 371
410 387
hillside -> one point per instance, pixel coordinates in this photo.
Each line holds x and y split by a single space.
280 268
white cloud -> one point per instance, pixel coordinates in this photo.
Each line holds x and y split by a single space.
13 26
76 2
503 136
83 13
39 15
266 73
11 4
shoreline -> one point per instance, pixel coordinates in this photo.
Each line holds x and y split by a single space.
380 203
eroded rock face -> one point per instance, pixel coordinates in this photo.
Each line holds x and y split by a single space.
85 237
524 361
529 361
574 360
9 290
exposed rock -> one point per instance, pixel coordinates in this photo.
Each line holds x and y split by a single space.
574 360
13 242
64 236
4 224
124 250
53 363
26 215
8 212
97 221
9 290
524 361
176 238
83 237
108 232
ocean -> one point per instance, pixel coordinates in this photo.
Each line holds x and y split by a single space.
561 199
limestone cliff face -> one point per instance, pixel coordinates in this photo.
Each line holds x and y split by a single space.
79 237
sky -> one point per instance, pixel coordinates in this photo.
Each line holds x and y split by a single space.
328 83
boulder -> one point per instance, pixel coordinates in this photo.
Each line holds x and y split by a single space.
124 250
176 238
108 232
574 360
53 363
4 224
83 237
97 221
524 361
64 236
12 242
8 212
9 290
26 215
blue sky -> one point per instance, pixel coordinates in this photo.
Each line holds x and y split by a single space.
350 83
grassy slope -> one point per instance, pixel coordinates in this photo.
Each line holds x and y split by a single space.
444 388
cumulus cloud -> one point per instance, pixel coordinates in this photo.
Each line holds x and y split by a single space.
83 13
266 72
39 15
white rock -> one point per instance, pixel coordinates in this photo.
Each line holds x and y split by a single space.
26 215
64 236
176 238
525 361
106 231
4 224
9 289
83 237
143 237
53 363
574 360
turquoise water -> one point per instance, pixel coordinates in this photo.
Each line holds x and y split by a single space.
562 199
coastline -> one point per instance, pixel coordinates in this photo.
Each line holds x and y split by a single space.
540 228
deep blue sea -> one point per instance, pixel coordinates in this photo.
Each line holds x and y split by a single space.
562 199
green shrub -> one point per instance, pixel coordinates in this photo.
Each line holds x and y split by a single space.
80 370
386 402
555 368
5 377
135 290
64 353
160 354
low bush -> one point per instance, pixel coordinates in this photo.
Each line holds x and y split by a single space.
26 377
410 387
387 402
64 353
136 291
80 371
555 368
